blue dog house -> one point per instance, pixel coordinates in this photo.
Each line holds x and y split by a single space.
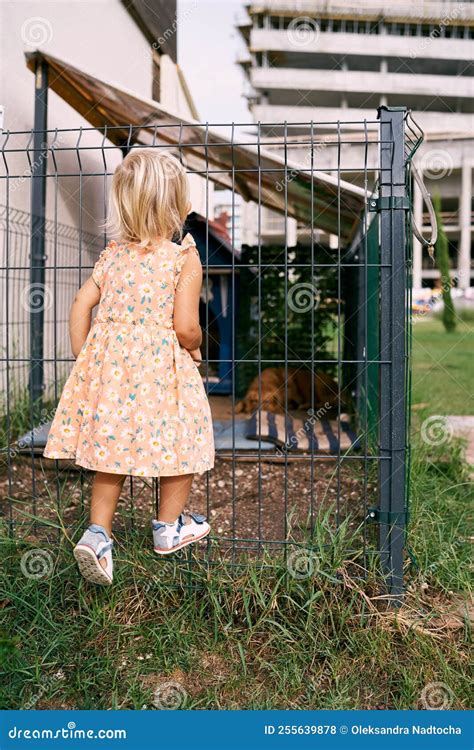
220 298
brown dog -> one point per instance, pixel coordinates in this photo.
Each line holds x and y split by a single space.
300 384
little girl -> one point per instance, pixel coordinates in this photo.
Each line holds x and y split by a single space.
135 403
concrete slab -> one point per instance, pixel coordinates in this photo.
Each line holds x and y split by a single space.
462 426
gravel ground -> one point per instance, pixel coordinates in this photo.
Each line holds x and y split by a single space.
244 500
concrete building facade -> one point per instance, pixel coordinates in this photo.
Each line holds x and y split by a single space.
330 60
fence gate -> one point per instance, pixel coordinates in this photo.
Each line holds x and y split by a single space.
303 235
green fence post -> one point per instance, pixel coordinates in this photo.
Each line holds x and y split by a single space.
392 204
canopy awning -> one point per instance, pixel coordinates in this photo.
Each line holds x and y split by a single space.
315 198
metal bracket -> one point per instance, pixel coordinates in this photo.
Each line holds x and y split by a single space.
375 515
399 202
386 108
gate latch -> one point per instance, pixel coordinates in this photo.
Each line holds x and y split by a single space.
389 202
375 515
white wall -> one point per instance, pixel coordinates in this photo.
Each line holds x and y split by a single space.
101 39
98 37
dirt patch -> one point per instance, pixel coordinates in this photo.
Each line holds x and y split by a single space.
171 690
245 502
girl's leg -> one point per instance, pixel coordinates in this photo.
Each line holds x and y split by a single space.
106 489
174 492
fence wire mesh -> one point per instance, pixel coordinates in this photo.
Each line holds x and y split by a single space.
304 316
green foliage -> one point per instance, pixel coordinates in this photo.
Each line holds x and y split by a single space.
442 260
305 306
21 416
8 646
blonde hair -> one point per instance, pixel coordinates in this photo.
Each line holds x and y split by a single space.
149 197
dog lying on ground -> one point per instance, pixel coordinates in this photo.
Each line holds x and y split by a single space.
299 387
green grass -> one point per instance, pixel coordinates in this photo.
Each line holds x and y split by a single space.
258 639
441 513
443 375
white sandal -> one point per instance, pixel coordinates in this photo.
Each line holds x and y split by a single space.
170 537
94 545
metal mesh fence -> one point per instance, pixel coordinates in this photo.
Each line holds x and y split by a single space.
305 347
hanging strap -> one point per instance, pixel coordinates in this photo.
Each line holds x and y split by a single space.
418 177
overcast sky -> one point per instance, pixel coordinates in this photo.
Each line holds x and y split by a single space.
208 44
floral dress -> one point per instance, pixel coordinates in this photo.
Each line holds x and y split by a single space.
135 402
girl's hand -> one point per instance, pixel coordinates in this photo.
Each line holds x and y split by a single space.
87 297
196 355
186 303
